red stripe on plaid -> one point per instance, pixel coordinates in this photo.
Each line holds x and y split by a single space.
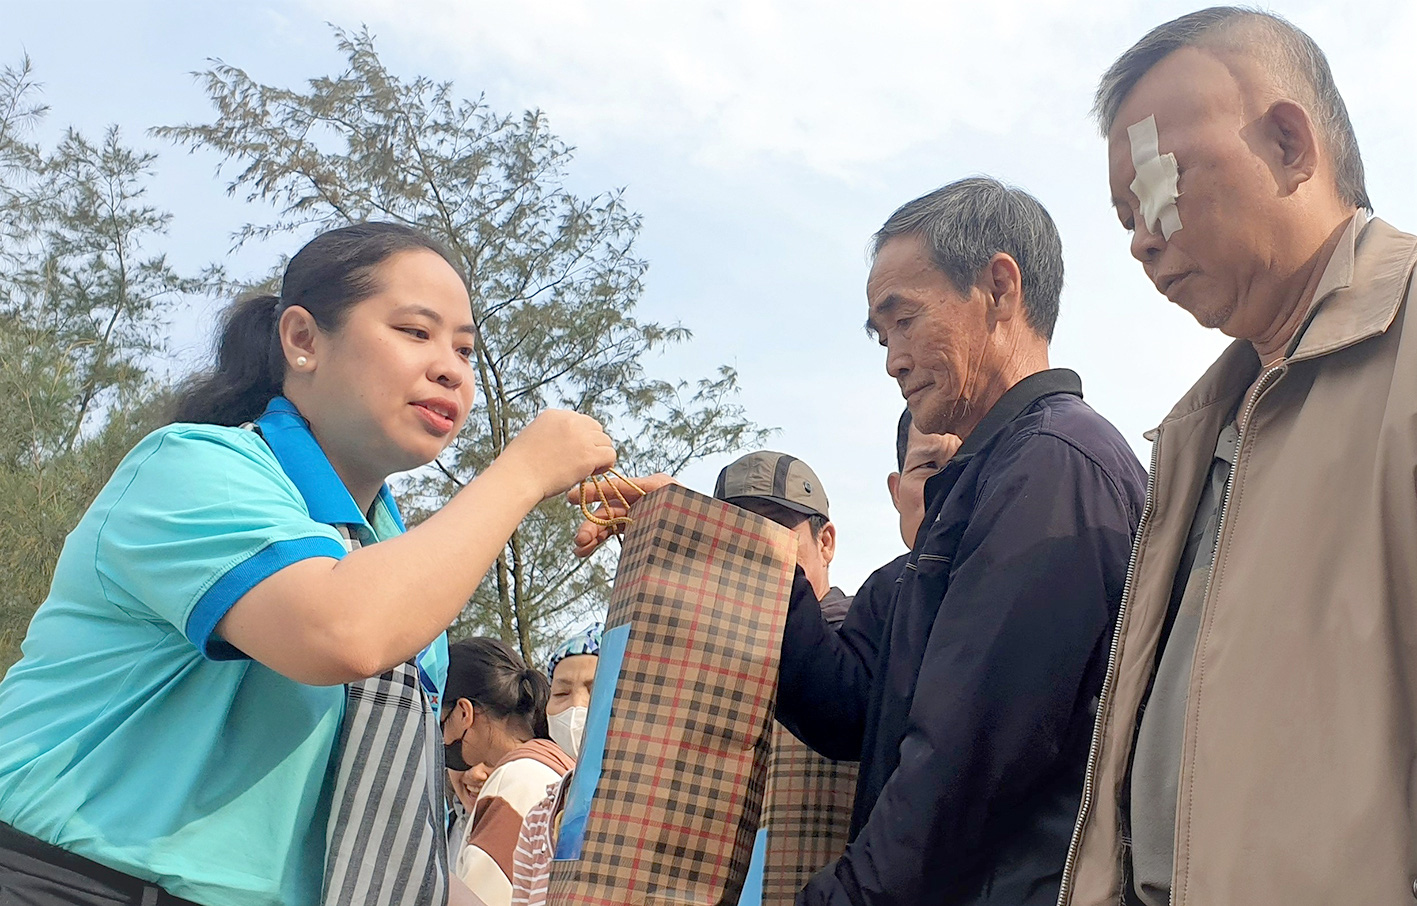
655 740
767 539
724 672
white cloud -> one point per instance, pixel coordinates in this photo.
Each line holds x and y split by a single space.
828 85
765 140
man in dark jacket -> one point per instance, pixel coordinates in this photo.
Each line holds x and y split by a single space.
966 686
965 676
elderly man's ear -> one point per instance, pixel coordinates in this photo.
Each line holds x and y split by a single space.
1289 143
1002 285
826 542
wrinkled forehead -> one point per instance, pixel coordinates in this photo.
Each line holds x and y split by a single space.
1187 84
576 668
901 260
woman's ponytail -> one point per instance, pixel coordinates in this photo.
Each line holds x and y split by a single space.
535 693
490 674
249 368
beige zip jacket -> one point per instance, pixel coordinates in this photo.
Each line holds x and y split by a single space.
1298 781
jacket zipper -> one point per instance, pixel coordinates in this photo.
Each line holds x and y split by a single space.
1261 386
1065 890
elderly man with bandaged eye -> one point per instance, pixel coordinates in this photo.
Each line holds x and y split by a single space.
1254 744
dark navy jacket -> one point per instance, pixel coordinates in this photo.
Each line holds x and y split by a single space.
966 675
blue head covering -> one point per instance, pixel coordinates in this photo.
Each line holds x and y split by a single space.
584 641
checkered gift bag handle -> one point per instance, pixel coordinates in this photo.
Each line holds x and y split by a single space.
600 482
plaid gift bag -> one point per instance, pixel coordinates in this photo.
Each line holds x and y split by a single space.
664 804
806 817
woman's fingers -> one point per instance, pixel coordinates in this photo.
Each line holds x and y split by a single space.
615 488
590 537
608 498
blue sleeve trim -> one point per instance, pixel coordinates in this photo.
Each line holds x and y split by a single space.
226 591
433 670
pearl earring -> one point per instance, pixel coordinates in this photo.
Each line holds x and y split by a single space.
301 361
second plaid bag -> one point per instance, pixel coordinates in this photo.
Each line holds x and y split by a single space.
806 817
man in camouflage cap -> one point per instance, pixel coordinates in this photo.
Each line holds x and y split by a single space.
786 490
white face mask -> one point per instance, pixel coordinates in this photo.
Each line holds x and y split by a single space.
568 730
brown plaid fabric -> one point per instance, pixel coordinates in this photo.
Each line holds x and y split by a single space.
704 588
807 814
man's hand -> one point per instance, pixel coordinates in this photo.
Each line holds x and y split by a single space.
591 535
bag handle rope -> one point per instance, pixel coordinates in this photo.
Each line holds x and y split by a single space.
599 481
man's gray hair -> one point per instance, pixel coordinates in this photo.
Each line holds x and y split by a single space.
1291 57
966 223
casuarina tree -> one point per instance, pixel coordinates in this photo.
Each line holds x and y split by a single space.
83 297
553 274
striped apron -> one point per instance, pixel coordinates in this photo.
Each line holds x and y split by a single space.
385 841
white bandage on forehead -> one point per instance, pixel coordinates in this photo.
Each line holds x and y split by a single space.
1155 183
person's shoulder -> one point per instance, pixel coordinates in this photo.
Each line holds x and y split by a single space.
834 606
882 581
542 752
888 573
1071 417
1064 432
1064 424
189 464
523 775
186 445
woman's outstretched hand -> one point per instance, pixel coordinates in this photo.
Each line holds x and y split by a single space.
592 535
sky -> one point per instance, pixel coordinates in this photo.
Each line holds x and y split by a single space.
763 142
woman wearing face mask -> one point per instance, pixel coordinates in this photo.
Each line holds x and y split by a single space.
572 666
495 714
572 671
229 696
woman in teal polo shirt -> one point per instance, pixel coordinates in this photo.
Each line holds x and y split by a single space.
196 715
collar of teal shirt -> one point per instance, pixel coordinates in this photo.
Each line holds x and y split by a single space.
288 434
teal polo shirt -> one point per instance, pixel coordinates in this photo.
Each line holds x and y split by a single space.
130 733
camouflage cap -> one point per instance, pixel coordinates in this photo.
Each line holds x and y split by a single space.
782 479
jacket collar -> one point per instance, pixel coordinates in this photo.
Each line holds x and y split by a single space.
1356 299
1016 400
288 435
1361 289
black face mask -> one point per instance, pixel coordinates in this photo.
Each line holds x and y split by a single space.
452 752
452 756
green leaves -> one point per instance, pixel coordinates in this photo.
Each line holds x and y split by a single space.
83 295
554 279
